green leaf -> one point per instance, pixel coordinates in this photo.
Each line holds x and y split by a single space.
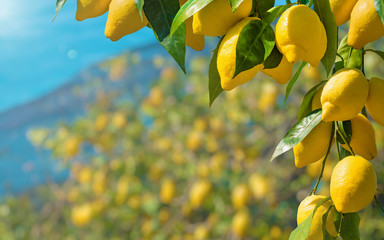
323 9
160 14
273 13
139 5
350 227
379 5
302 231
59 6
265 5
306 104
348 57
214 78
256 42
274 59
235 4
306 2
326 235
344 129
293 80
297 133
380 53
186 11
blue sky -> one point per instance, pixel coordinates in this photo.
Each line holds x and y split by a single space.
37 56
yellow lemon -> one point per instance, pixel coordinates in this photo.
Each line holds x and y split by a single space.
282 73
241 222
314 169
375 101
201 233
99 182
240 196
81 215
199 192
123 19
101 122
314 146
300 35
72 146
217 18
167 191
192 40
122 189
305 209
363 140
365 25
119 120
316 100
353 184
91 8
259 186
226 58
344 95
342 10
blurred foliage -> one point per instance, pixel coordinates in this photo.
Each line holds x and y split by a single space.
163 165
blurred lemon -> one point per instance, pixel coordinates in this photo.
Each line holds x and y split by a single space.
259 186
241 222
72 146
201 233
194 140
99 182
199 192
119 120
122 189
167 191
81 215
101 122
240 196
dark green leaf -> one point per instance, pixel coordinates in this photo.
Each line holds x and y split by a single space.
59 6
344 129
350 227
273 13
380 53
323 9
379 5
214 78
306 105
297 133
306 2
347 57
265 5
293 80
337 219
274 59
186 11
139 5
235 4
160 14
255 43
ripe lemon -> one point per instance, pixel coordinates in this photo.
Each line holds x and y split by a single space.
353 184
344 95
314 146
300 35
91 8
81 215
342 10
375 101
365 25
305 209
167 191
226 58
199 192
316 102
217 18
240 223
123 19
240 196
192 40
282 73
259 186
363 141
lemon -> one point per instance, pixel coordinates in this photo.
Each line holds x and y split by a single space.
305 209
375 101
259 186
342 10
314 146
241 221
91 8
365 25
344 95
316 100
353 184
300 35
101 122
81 215
123 19
192 40
119 120
199 192
217 18
201 233
240 196
363 141
72 146
167 191
282 73
226 58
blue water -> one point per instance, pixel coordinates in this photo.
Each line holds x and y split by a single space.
37 56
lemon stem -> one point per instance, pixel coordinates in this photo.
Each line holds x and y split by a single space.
341 222
325 159
378 204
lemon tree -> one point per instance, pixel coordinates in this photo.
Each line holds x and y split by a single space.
332 113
